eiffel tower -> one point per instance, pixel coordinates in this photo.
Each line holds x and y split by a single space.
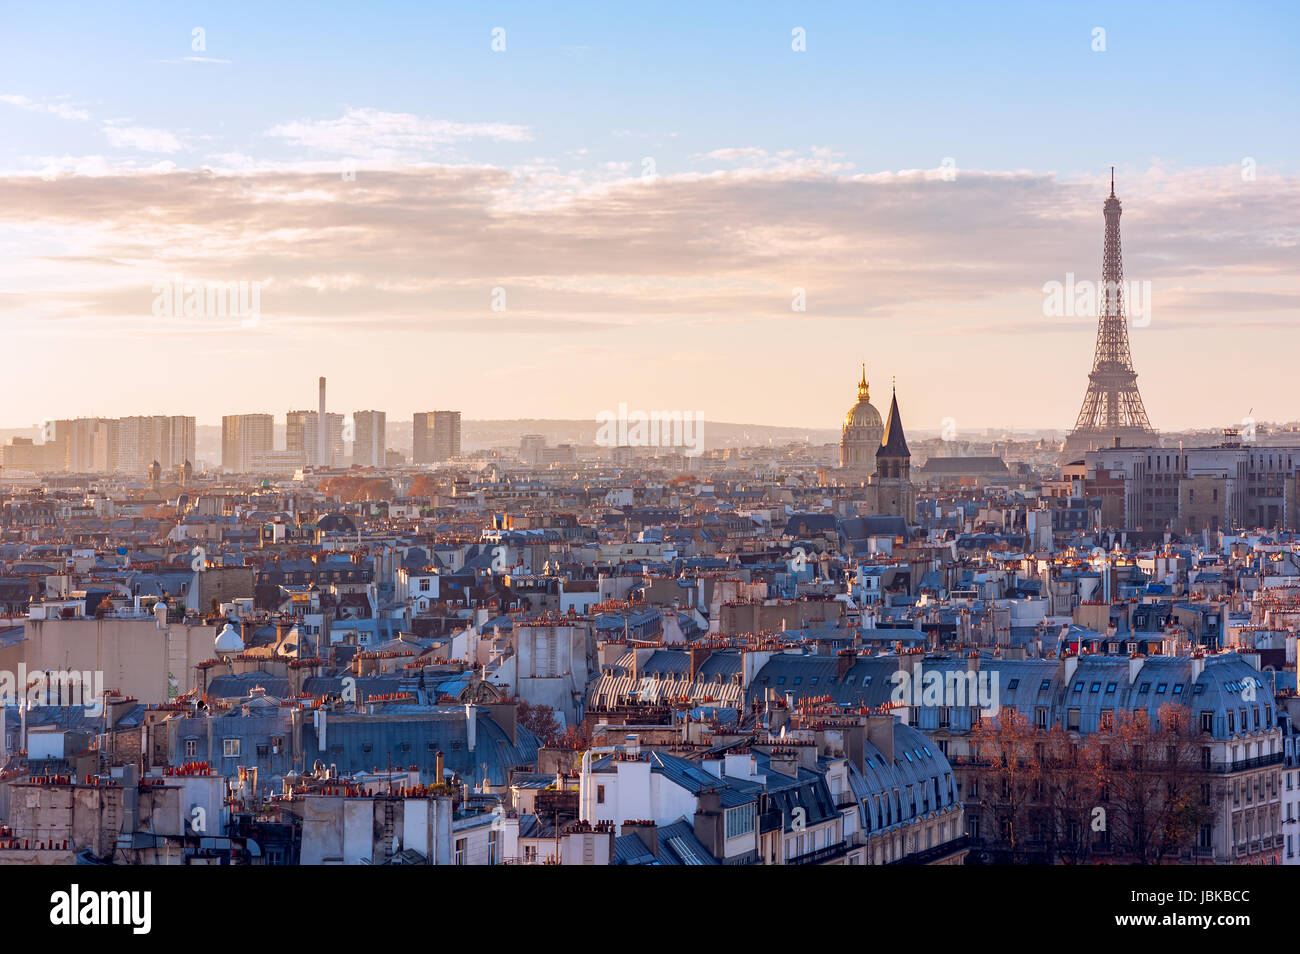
1112 412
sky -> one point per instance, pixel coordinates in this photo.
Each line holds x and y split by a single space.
549 210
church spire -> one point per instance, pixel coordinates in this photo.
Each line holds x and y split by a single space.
894 444
864 392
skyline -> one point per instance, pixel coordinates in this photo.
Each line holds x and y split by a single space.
596 435
473 173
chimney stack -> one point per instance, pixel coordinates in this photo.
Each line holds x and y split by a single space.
506 715
785 761
647 831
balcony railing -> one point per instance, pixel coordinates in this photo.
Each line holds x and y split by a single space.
939 851
820 856
1245 765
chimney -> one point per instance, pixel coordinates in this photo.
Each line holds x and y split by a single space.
880 733
130 797
647 831
785 761
699 654
708 821
844 665
1134 667
611 651
855 737
780 718
439 767
471 726
506 715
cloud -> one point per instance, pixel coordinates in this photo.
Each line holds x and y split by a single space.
415 249
62 110
142 138
379 134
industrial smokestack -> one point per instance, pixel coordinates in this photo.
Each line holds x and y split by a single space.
322 430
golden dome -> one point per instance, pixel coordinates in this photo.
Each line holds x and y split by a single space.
863 414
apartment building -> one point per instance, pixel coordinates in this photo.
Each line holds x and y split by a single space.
435 436
368 449
242 437
1191 490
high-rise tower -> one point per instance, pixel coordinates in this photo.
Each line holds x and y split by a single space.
322 432
1112 408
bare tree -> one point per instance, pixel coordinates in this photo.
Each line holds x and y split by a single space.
1012 772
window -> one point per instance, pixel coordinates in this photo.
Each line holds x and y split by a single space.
460 852
1013 683
740 820
1207 721
1161 687
191 747
1078 686
230 748
600 794
1110 687
1072 719
1144 688
1045 685
494 847
1096 687
1178 689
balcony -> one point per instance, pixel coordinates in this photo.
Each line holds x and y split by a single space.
820 856
930 855
1245 765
